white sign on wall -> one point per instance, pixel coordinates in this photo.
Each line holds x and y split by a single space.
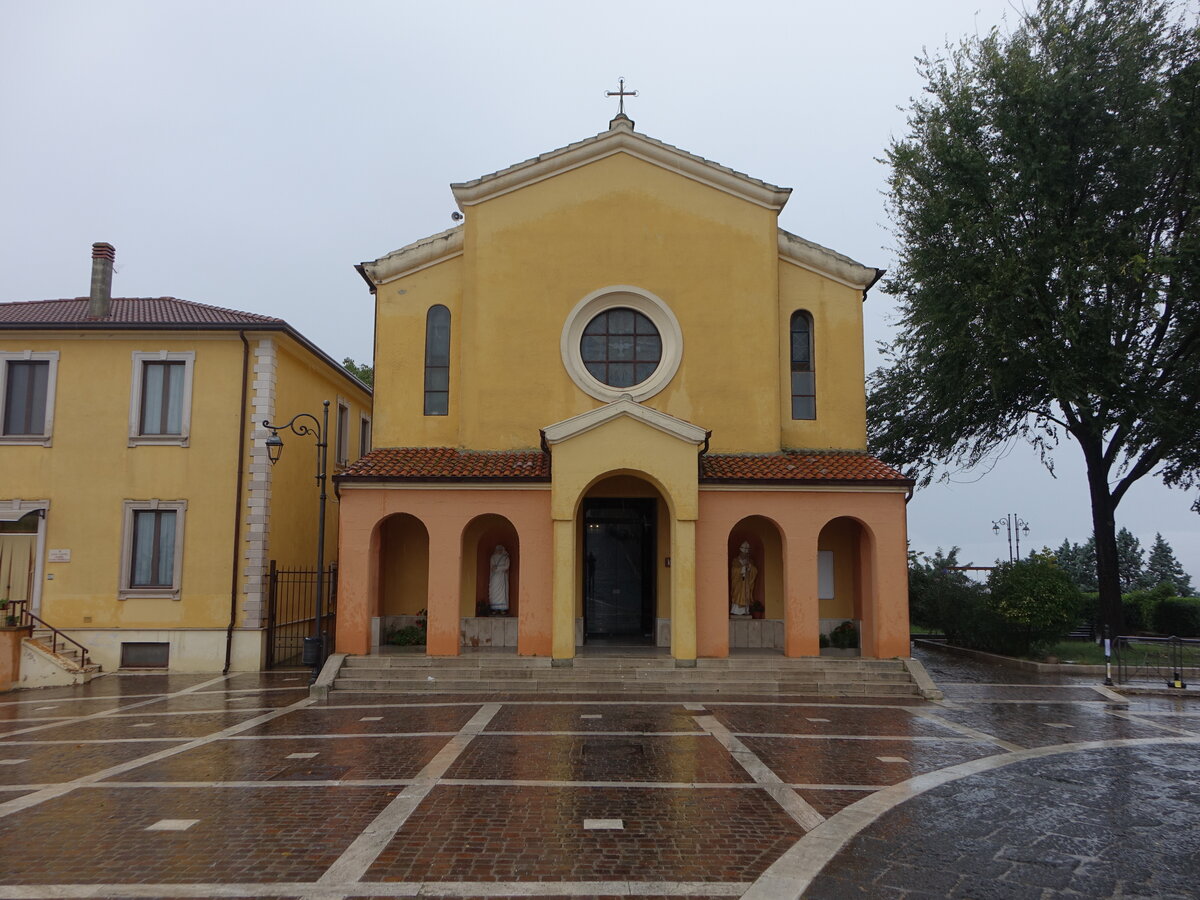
58 555
825 574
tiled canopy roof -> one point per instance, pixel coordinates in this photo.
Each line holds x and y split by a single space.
813 468
430 463
448 463
127 311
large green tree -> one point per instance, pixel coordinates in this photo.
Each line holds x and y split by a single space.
1163 568
1045 202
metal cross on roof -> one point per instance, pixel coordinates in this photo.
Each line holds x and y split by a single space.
621 94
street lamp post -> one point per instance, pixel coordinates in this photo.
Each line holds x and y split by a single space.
1013 526
314 647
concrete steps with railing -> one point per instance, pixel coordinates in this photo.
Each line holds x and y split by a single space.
816 676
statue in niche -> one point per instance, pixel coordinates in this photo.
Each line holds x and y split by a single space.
498 582
742 575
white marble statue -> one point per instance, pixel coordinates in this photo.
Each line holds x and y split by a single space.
498 581
742 575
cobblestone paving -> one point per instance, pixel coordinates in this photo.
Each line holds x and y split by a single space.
196 786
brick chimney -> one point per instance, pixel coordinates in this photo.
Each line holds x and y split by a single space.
103 255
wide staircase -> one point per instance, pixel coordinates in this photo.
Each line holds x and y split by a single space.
770 675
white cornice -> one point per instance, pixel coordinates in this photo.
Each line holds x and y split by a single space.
620 138
823 261
417 255
594 418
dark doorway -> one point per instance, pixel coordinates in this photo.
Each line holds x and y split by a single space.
618 570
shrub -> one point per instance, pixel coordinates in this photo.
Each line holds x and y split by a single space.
844 636
1034 603
1177 616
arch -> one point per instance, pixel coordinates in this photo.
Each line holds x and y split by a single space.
437 361
846 577
480 536
765 538
803 366
637 475
613 488
402 565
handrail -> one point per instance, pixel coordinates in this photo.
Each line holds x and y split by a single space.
25 616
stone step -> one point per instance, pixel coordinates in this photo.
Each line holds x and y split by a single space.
455 686
511 662
666 676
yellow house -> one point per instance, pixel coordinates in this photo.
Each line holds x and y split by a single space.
138 511
622 372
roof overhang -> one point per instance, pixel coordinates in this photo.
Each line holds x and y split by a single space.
594 418
826 262
620 138
413 257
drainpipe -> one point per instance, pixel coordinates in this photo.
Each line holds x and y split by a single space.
237 507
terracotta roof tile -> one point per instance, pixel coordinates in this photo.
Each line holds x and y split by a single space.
437 463
127 311
837 466
430 463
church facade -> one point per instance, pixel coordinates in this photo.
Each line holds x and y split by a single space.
619 404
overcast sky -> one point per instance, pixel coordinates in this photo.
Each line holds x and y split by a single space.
248 154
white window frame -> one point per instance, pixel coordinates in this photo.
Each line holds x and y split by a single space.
140 358
364 427
341 436
126 591
629 297
50 356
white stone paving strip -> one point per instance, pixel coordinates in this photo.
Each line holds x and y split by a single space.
380 889
358 857
793 804
172 825
29 800
603 825
1149 723
968 731
109 713
789 877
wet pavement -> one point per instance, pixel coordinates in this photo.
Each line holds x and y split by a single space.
1016 785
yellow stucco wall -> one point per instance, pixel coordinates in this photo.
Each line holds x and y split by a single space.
838 361
90 470
531 255
304 383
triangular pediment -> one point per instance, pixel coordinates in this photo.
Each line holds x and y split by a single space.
595 418
620 138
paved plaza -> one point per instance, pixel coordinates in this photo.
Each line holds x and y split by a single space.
180 786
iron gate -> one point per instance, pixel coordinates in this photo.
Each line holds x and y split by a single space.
1171 661
291 609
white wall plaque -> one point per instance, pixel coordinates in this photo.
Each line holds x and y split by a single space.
58 555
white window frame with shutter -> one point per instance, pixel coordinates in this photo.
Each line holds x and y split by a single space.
173 591
364 434
341 430
49 356
180 439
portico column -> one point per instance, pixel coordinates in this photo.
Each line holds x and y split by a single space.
683 591
802 623
445 575
563 618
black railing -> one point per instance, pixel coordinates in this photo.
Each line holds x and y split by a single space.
17 612
291 608
1171 661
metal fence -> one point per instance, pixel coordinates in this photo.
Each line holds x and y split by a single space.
1172 661
292 609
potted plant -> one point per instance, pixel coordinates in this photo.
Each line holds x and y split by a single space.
757 610
844 636
10 617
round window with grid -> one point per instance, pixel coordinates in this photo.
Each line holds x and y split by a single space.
621 347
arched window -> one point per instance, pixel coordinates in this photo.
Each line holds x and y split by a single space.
804 386
437 361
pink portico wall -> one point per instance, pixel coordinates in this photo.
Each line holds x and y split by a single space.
444 513
800 516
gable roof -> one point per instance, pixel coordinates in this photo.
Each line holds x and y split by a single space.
151 314
620 138
127 311
624 407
